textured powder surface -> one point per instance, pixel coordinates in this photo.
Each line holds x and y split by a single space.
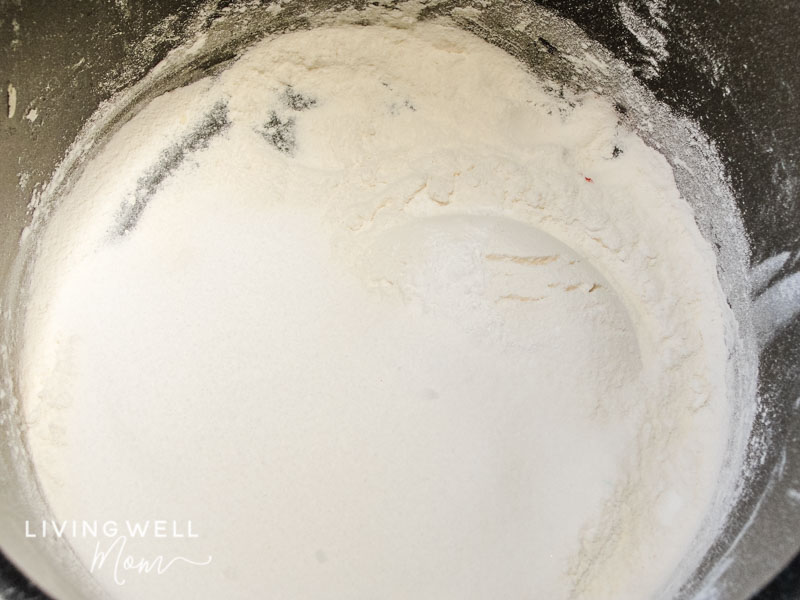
385 317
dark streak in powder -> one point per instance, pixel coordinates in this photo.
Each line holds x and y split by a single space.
616 152
280 133
213 123
395 108
296 100
551 49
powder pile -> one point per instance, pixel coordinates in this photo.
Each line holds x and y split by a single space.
384 316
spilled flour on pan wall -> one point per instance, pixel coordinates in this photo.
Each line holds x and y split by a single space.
383 316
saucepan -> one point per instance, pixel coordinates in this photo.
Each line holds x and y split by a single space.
730 68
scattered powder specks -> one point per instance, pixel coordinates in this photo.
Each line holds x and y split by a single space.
648 35
11 97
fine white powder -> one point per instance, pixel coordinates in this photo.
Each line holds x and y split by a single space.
385 317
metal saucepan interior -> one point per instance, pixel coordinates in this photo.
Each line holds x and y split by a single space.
729 69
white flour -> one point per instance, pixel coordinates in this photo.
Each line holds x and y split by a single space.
384 318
